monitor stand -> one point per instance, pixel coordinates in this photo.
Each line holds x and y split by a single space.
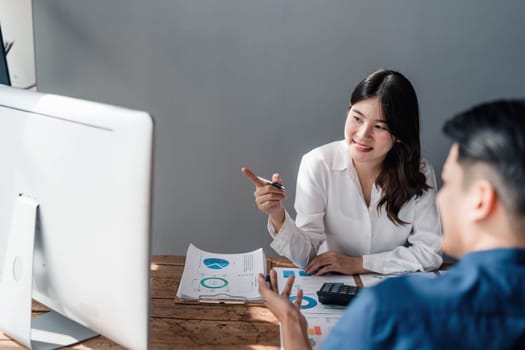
51 330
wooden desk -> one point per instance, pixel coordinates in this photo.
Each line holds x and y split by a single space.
190 326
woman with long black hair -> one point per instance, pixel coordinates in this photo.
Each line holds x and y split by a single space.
365 203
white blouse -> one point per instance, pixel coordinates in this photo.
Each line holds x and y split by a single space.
332 216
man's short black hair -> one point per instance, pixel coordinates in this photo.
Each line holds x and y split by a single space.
493 134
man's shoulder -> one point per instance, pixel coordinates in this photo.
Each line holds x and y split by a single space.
470 288
416 311
415 293
391 313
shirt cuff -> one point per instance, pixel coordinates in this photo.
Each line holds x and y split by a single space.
372 264
284 228
281 239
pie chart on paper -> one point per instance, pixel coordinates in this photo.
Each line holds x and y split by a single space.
216 263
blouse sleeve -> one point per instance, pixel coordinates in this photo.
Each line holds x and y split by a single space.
423 250
299 240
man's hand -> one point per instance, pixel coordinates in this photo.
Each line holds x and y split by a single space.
293 323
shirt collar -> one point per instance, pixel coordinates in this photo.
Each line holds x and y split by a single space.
342 157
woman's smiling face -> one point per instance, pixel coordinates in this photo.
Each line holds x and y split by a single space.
367 133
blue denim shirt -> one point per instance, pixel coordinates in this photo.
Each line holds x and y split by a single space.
478 304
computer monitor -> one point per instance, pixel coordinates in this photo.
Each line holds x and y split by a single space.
75 213
4 71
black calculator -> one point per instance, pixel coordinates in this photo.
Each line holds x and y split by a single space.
336 293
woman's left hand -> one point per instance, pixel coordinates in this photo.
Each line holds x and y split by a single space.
335 262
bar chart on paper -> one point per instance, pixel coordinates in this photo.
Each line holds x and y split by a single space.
319 327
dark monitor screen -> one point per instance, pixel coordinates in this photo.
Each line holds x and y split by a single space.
4 72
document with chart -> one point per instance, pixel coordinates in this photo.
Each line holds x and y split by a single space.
221 278
310 284
320 318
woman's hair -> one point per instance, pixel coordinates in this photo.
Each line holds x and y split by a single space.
400 178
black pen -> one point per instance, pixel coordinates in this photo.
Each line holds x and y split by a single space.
274 184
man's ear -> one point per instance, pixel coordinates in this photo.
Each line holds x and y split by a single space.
483 199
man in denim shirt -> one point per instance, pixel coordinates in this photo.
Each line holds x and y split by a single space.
480 302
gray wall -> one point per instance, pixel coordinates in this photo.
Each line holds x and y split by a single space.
258 83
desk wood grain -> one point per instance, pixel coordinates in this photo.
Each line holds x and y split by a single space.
191 326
